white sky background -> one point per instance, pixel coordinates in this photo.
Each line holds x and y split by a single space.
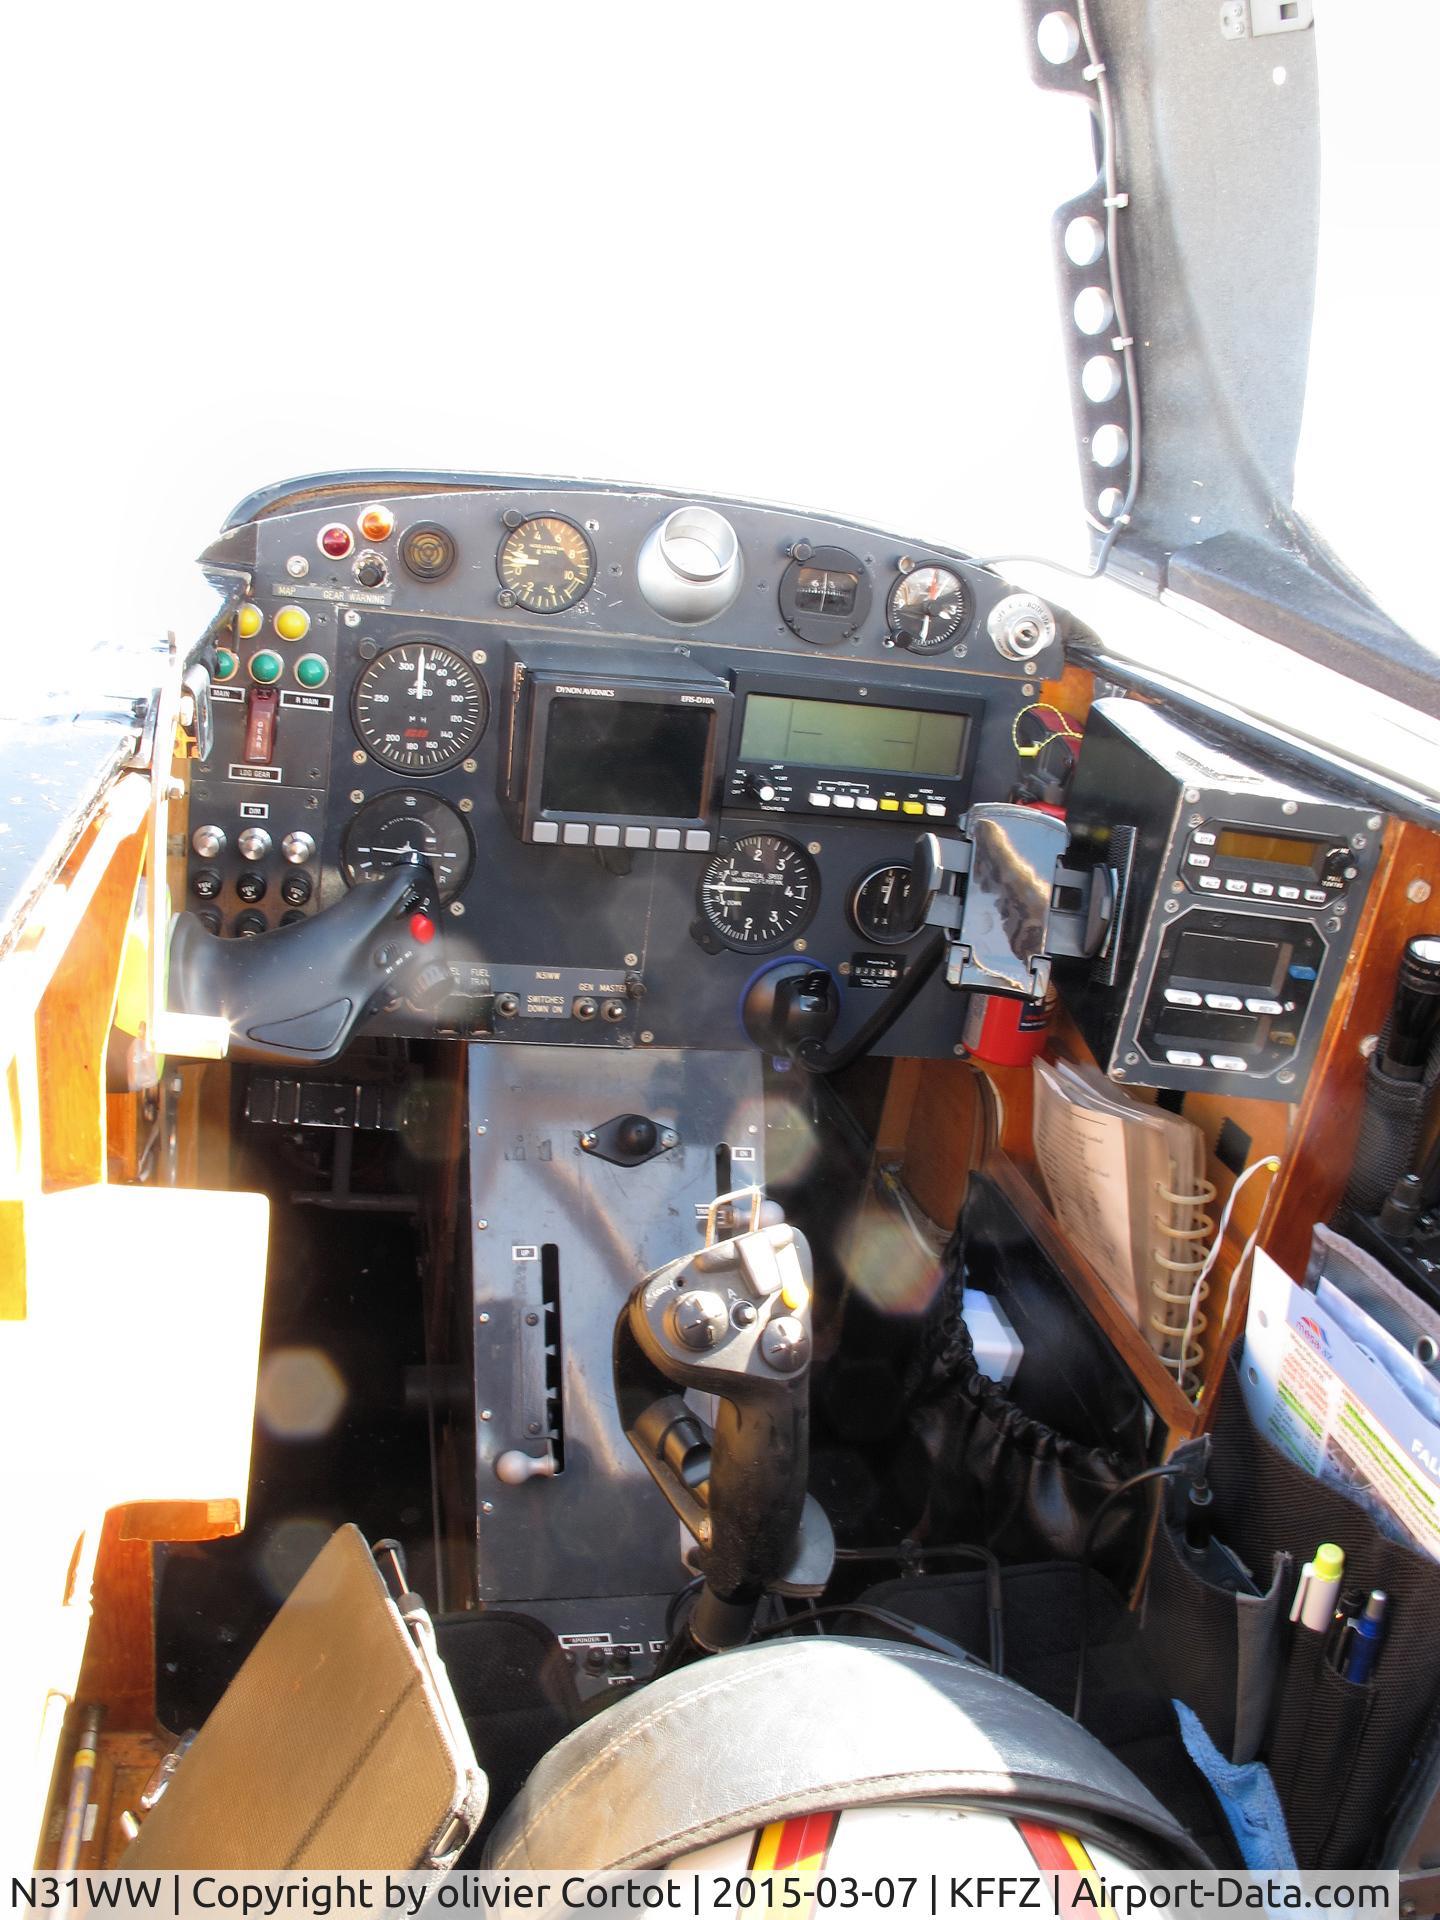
799 252
1368 452
796 252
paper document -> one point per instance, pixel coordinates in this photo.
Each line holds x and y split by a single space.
1333 1407
1126 1182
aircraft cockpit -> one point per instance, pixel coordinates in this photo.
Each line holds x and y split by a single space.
698 1187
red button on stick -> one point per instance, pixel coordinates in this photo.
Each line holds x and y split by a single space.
422 928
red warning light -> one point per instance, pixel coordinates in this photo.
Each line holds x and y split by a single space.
336 540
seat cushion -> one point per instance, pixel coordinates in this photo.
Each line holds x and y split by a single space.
773 1731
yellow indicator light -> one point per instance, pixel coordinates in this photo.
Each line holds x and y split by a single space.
377 523
796 1296
913 806
292 623
249 620
889 806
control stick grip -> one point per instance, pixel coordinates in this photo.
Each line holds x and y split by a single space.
299 992
732 1320
759 1464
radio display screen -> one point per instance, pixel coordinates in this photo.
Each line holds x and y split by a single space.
842 733
1208 957
626 757
1274 849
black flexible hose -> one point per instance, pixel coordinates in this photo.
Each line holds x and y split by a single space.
815 1057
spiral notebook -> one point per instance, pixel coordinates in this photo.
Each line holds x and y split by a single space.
1127 1183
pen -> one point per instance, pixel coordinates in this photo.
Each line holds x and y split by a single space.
1363 1638
1319 1588
1350 1603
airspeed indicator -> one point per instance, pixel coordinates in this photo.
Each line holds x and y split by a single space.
418 707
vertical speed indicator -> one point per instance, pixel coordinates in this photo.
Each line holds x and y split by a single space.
545 563
760 892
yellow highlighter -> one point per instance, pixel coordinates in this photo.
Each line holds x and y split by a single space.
1319 1588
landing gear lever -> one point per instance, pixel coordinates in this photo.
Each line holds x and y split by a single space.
732 1320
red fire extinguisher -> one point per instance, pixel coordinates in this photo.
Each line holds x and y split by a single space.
1002 1030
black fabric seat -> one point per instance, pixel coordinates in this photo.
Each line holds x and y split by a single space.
774 1731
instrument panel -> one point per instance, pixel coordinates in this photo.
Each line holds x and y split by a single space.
648 744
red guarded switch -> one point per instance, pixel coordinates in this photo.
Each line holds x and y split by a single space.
422 929
260 712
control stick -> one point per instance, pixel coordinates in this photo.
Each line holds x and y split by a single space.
299 992
732 1320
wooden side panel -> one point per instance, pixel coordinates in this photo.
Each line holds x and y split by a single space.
949 1122
72 1025
124 1764
12 1259
119 1663
1404 901
1072 693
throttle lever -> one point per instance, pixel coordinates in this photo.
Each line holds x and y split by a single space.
298 992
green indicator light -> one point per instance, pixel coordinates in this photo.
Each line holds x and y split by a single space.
311 670
227 664
266 667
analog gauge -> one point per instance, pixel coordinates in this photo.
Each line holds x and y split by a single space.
824 594
419 708
547 563
928 607
397 827
880 906
760 893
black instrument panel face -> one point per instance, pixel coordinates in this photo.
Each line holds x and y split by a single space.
616 875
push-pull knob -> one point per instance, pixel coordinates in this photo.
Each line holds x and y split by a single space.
515 1467
254 843
208 841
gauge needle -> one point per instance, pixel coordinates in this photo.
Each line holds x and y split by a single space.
925 628
420 689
